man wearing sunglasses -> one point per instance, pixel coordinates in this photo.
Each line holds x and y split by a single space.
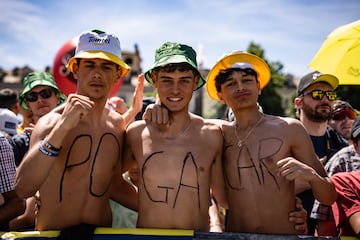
315 95
39 96
342 118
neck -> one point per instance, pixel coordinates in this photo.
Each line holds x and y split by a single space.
314 128
245 119
179 124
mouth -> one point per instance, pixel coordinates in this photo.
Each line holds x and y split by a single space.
327 107
43 106
174 99
96 84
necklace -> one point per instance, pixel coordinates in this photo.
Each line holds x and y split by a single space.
241 142
180 133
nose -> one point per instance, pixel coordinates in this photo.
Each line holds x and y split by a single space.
239 86
97 73
175 87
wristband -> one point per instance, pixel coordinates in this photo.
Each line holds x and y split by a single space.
51 147
46 152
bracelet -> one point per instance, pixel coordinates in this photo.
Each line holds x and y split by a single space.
49 146
46 152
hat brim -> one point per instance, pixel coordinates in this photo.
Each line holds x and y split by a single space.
328 78
173 59
225 62
102 55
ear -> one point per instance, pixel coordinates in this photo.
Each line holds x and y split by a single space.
118 74
297 102
220 97
196 82
58 98
154 80
75 69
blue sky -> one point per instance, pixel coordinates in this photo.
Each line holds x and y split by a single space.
290 31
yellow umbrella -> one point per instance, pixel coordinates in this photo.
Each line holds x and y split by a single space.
340 54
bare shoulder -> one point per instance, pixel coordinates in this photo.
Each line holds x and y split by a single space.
48 121
136 127
287 123
209 129
116 118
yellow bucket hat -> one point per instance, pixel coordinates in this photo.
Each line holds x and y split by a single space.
98 44
225 62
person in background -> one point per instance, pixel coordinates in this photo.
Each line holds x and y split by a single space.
346 209
9 100
75 150
9 110
10 204
342 118
8 122
346 159
315 95
39 96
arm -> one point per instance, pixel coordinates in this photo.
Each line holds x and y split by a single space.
354 221
26 220
54 126
136 103
299 217
122 191
305 166
322 187
13 207
215 222
217 183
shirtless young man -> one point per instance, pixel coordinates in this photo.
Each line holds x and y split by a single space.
180 162
263 154
76 148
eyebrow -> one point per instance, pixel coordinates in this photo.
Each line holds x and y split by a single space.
102 63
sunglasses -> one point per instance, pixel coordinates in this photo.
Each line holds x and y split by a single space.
342 114
33 96
319 94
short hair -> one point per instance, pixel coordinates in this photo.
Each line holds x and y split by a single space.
223 76
172 67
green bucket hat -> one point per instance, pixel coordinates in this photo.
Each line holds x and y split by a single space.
35 79
171 52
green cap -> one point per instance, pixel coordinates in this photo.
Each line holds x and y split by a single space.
171 52
35 79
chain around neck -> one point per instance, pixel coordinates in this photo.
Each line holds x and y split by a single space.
182 132
241 142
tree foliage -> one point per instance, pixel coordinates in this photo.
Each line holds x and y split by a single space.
270 100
